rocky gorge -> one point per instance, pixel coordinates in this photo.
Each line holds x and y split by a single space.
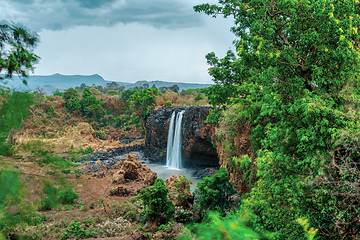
196 137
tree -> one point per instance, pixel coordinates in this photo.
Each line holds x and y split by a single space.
157 206
295 73
16 50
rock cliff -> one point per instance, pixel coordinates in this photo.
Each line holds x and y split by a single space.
197 146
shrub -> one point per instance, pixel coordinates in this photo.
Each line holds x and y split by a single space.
131 216
75 230
100 135
68 196
92 205
168 103
50 201
88 150
50 110
199 97
157 206
213 193
46 204
231 227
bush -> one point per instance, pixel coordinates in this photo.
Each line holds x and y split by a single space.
46 204
88 150
75 230
68 196
213 193
230 227
157 206
50 110
50 201
168 103
131 216
100 135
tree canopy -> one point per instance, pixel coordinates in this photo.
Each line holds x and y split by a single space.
16 50
295 75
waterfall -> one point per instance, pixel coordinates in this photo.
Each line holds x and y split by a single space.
173 159
170 139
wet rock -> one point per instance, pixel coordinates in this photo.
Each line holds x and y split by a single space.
207 172
197 142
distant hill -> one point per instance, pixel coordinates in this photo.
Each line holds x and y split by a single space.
51 83
159 84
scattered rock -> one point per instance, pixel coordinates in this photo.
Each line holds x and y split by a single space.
120 191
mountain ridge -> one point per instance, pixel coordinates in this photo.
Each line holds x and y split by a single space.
59 82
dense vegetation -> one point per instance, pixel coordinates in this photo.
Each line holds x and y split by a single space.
293 81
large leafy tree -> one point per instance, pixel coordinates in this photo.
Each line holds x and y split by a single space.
295 73
16 50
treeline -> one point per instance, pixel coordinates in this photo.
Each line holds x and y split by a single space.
116 88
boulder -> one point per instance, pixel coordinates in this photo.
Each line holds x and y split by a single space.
179 191
131 169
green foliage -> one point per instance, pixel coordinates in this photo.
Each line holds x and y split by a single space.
16 46
90 106
68 196
213 193
9 185
142 102
181 196
295 73
113 92
232 227
168 103
75 230
59 94
14 109
88 150
101 203
199 97
214 116
157 206
310 233
55 162
174 88
92 205
50 201
72 100
100 135
131 216
27 216
50 110
9 194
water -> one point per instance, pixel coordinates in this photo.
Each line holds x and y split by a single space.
165 172
170 139
174 161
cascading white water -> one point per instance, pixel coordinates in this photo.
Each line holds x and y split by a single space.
170 139
174 160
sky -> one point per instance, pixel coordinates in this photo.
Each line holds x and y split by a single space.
123 40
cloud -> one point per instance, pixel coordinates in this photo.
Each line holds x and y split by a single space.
65 14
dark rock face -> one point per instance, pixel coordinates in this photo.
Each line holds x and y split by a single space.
197 147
